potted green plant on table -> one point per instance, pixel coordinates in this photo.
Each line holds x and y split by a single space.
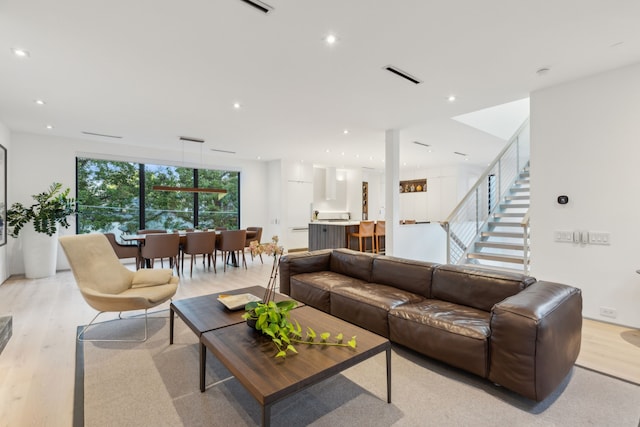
273 319
38 225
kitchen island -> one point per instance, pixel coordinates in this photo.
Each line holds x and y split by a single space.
330 234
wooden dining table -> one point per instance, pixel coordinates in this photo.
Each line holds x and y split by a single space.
141 238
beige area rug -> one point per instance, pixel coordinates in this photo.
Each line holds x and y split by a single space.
155 384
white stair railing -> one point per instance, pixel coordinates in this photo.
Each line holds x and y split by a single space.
467 220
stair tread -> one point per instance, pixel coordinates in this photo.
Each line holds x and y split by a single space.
505 224
501 245
502 234
509 215
514 205
495 257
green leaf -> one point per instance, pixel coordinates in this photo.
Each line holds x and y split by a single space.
286 305
339 337
270 333
352 342
261 320
292 349
311 334
325 336
282 354
251 305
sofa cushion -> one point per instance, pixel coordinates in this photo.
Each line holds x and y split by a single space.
452 333
352 263
411 276
476 287
302 262
367 304
314 289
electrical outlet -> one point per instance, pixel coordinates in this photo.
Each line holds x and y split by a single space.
608 312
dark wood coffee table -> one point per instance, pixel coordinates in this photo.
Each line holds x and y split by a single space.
206 313
249 356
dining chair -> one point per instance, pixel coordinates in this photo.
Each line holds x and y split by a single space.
124 251
365 231
162 245
232 243
253 234
379 232
215 252
199 243
108 286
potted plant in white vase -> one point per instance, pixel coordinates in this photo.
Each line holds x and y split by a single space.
39 226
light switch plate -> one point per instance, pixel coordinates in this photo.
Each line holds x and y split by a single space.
599 238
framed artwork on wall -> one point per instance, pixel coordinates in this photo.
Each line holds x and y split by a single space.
3 196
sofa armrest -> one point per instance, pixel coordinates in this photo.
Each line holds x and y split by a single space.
302 262
535 338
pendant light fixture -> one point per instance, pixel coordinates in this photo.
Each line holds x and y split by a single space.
220 191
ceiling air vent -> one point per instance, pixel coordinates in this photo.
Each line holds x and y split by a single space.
421 143
222 151
190 139
398 72
460 154
262 7
101 134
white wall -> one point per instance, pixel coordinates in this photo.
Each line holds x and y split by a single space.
585 143
37 161
320 202
5 140
446 186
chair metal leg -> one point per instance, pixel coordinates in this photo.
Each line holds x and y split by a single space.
146 329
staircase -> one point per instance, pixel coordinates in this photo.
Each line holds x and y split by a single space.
504 241
490 225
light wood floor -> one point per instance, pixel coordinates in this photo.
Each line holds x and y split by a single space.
37 365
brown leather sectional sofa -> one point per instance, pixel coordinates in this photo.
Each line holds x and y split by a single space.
515 331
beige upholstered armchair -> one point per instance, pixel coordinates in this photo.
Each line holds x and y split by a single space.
107 285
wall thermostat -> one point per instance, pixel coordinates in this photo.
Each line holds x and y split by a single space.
563 200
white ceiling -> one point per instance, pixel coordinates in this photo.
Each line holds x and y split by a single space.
150 71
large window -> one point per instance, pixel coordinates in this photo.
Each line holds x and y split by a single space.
110 195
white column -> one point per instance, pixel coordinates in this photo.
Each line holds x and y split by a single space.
392 181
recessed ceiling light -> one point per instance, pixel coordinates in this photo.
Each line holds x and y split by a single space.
20 53
342 153
259 158
236 105
327 151
451 98
39 102
346 131
331 39
49 127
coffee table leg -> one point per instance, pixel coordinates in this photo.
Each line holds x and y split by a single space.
266 415
203 362
389 375
171 314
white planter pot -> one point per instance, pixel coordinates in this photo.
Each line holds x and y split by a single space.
40 253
